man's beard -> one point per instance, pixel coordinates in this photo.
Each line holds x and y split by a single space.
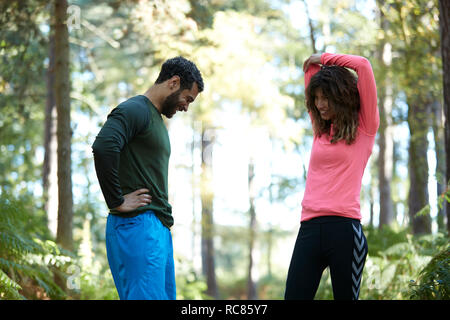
170 105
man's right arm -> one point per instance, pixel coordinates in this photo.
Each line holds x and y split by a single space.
121 126
107 169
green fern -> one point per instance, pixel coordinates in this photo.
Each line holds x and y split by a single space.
27 258
434 279
9 289
395 257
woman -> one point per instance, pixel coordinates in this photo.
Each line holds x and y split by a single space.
345 120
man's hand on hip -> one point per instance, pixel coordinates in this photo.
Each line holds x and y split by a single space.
134 200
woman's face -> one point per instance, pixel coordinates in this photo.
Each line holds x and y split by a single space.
321 102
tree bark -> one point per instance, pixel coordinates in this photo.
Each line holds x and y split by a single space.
439 147
444 24
312 32
385 167
48 122
418 110
49 167
64 132
251 286
385 136
207 195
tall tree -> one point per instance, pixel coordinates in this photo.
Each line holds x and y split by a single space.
414 25
207 222
418 198
49 167
23 50
64 131
312 32
419 49
385 137
437 123
444 22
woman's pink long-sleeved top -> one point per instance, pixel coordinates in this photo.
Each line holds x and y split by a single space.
335 172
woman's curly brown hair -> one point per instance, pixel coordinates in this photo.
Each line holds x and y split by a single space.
339 85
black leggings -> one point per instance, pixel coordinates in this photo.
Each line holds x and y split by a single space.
333 241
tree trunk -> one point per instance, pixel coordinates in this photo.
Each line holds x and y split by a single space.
439 146
385 136
312 33
64 132
193 190
48 122
251 286
385 159
444 22
418 122
49 167
207 195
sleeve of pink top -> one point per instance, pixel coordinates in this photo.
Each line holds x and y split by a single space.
312 70
369 116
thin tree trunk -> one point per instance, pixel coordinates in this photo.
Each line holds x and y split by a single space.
271 200
372 189
64 132
385 160
49 167
444 22
385 136
48 122
207 195
193 190
312 33
51 205
251 286
439 146
418 122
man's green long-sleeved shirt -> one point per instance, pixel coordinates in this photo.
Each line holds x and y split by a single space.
131 152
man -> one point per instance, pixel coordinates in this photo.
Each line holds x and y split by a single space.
131 154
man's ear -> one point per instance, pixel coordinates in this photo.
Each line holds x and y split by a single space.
174 83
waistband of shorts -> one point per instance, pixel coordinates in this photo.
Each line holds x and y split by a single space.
330 219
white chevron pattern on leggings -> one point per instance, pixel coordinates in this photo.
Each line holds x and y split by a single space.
357 264
359 244
358 231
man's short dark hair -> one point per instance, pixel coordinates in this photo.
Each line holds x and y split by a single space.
185 69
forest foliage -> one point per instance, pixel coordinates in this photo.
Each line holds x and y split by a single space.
250 53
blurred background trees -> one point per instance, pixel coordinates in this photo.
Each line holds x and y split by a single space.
239 157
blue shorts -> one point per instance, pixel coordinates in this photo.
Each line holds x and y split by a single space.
140 255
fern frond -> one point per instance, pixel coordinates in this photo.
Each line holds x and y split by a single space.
26 257
9 289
